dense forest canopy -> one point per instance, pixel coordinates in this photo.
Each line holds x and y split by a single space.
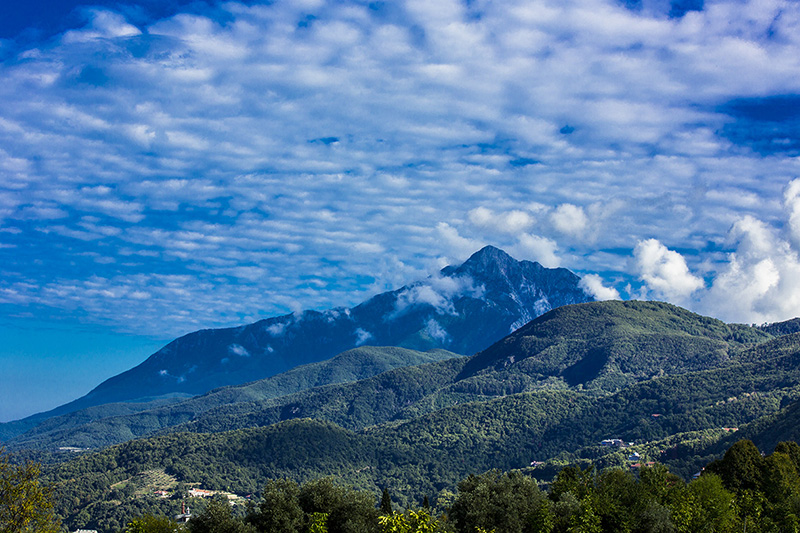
742 491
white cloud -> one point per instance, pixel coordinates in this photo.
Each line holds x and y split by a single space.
277 329
104 24
436 331
238 349
454 243
664 271
760 281
41 211
537 248
362 336
481 216
570 219
270 158
791 198
438 292
510 222
593 285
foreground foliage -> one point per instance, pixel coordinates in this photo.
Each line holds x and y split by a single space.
25 504
152 524
743 490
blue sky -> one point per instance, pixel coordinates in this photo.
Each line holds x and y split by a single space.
166 167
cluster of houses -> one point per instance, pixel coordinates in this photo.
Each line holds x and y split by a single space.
635 458
201 493
636 461
186 515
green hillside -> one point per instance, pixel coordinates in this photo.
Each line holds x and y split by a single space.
114 423
607 346
767 431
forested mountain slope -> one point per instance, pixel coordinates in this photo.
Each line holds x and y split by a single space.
767 431
114 423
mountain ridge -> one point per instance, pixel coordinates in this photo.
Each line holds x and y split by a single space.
463 309
596 348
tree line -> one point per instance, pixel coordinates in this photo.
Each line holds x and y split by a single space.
743 491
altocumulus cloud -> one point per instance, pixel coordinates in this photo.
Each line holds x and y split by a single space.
233 161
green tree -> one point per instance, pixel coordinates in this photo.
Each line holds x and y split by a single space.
319 523
279 509
712 505
740 468
217 517
419 521
25 504
566 512
615 498
348 510
572 479
152 524
386 502
781 488
792 450
506 502
541 520
655 518
659 484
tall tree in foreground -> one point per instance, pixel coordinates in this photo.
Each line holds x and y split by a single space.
348 510
25 504
386 502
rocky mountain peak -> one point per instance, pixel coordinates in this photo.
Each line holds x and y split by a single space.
486 262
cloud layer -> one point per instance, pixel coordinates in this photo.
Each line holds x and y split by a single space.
231 161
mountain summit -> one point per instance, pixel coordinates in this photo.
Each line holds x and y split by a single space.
463 309
527 286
